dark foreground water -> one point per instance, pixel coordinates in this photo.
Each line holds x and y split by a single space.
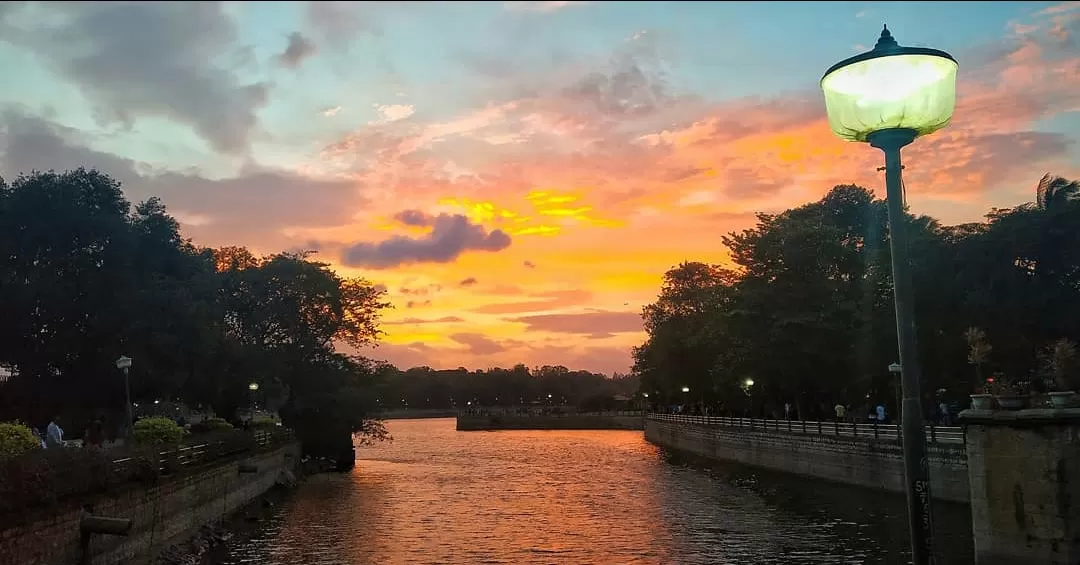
435 495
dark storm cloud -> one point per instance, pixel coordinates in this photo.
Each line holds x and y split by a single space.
157 59
299 49
249 209
451 235
414 218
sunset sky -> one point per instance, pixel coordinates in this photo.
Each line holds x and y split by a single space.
519 175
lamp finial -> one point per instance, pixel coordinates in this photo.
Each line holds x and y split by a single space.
886 40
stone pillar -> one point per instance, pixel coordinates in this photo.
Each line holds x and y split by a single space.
1024 475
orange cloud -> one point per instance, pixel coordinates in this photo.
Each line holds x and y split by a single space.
600 176
651 178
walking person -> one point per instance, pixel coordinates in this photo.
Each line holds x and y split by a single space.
95 434
54 434
841 412
946 417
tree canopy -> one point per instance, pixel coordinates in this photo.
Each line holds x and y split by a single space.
87 277
805 310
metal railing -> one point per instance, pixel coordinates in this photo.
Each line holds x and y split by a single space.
872 431
195 454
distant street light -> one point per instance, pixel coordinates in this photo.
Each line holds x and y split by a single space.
889 96
747 388
253 387
124 364
686 389
896 371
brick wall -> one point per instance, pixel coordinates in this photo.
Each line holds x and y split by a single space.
1025 486
856 461
162 515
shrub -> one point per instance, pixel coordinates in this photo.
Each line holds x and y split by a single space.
218 424
264 423
16 439
211 425
158 431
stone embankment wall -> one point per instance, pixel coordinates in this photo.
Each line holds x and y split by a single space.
1025 492
564 422
864 462
161 515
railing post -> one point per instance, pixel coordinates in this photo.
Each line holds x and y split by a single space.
804 426
933 434
875 430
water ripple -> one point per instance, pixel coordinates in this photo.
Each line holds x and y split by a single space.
435 495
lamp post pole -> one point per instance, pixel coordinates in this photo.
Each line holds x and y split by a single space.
887 97
894 372
916 469
127 398
124 364
252 389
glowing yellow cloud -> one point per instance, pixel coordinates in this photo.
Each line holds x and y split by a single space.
536 230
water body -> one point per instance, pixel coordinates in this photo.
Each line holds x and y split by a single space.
435 495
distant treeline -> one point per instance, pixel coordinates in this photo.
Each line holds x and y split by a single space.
424 387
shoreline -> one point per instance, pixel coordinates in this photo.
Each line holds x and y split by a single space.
211 540
241 526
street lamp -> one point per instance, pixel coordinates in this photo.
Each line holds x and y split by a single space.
747 386
253 387
686 389
888 96
124 364
897 373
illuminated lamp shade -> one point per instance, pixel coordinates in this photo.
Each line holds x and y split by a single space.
890 87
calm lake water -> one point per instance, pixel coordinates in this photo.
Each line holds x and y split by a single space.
435 495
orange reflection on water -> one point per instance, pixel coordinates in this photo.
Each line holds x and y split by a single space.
435 495
438 496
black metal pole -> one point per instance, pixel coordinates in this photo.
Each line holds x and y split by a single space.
916 470
129 427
